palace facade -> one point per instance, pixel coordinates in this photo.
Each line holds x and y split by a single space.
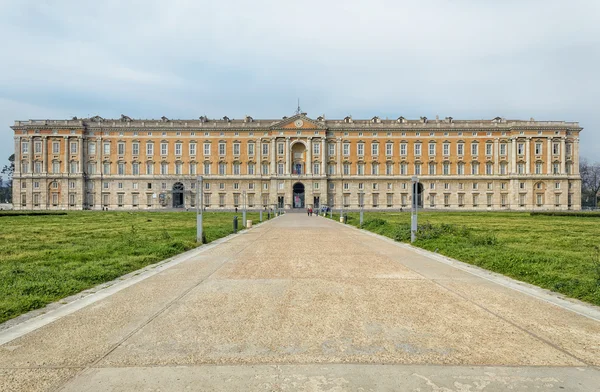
296 162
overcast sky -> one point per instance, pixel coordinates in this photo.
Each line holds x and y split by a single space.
184 58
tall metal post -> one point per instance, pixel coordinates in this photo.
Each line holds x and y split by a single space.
199 210
361 200
244 208
413 210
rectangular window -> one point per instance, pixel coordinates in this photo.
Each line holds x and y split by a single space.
106 148
221 200
236 148
474 149
403 169
56 148
120 168
489 200
446 148
555 148
488 149
280 148
521 168
418 149
178 147
461 200
375 149
331 149
503 167
390 199
431 148
475 200
56 168
73 147
316 168
121 148
265 169
432 201
402 149
417 169
222 168
73 167
503 200
538 168
251 169
460 149
250 148
265 149
360 169
331 169
503 149
555 168
24 148
360 149
520 148
280 168
236 169
164 168
346 149
538 148
206 148
521 200
489 168
221 149
446 168
193 149
389 169
389 149
460 169
164 148
432 169
316 149
446 200
135 148
475 168
178 168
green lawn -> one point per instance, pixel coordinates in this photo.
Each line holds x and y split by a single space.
49 257
555 252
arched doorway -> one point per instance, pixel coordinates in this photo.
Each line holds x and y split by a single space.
298 198
177 195
419 194
298 158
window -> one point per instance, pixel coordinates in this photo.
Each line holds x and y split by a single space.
221 186
331 186
164 168
503 168
389 149
402 148
538 168
432 201
73 147
520 148
250 148
389 186
375 149
390 200
120 168
460 168
360 169
555 148
432 167
280 168
403 169
206 168
331 148
346 186
56 168
446 168
316 148
490 186
555 168
121 148
265 169
149 167
557 200
538 148
374 169
346 167
346 149
431 148
489 168
503 200
222 168
25 147
221 200
521 168
488 149
521 185
236 185
557 185
56 148
418 149
37 167
446 200
432 185
475 168
417 169
135 148
316 168
106 148
446 148
460 149
474 149
503 149
73 167
178 168
375 200
236 148
206 148
475 200
489 200
568 148
446 186
389 169
521 200
221 149
280 148
236 168
164 148
251 168
265 149
178 147
461 200
360 149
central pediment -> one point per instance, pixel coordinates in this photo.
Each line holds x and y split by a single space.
298 121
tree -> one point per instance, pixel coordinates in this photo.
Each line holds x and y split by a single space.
590 182
8 170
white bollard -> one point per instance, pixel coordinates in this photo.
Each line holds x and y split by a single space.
248 224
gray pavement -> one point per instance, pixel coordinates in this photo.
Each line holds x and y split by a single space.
304 303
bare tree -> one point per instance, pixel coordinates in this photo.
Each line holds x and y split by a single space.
590 181
6 186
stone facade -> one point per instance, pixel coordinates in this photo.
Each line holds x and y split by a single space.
296 162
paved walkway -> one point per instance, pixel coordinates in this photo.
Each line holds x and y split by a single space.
304 303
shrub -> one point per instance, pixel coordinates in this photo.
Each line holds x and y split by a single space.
578 214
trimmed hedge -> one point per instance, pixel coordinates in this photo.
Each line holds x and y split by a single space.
567 213
30 213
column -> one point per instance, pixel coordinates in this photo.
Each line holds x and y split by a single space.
527 157
44 154
80 147
66 166
273 168
17 160
549 157
562 155
31 154
575 154
288 160
309 156
513 156
496 156
323 156
339 156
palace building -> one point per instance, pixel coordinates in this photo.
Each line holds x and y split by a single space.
296 162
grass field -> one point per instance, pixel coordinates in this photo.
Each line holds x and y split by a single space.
555 252
46 258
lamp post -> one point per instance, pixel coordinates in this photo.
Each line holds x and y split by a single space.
199 210
361 200
413 210
244 208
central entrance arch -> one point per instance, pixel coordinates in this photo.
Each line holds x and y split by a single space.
177 194
298 196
